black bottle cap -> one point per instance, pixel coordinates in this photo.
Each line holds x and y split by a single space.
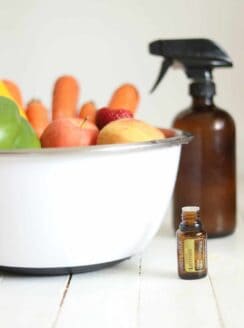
202 89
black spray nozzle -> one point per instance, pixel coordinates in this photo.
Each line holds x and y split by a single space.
198 56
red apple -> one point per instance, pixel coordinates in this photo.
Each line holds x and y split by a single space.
69 132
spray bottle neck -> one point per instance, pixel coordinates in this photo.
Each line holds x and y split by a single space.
202 93
202 101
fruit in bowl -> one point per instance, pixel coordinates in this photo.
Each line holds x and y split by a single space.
113 124
15 131
106 115
69 132
128 130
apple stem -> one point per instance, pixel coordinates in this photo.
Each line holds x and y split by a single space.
84 121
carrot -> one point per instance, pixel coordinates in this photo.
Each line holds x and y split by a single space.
37 115
14 91
125 97
65 97
88 111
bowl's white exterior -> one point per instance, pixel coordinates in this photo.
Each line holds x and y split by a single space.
65 210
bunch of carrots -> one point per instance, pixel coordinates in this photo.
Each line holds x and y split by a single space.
65 102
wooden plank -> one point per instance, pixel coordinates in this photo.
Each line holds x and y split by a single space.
226 272
27 302
106 298
127 296
168 301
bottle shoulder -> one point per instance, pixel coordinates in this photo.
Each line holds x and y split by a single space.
222 113
191 234
184 114
208 116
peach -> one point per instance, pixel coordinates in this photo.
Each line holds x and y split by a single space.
128 130
69 132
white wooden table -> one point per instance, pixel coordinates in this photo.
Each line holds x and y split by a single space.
142 292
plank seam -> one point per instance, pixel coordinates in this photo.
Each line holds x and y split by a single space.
64 294
221 320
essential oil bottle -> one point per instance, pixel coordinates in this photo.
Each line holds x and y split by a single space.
191 245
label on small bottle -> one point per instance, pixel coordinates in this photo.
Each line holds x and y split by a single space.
189 255
194 255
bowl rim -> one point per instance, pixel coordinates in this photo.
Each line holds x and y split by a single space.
181 137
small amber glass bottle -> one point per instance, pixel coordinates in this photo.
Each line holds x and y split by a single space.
191 245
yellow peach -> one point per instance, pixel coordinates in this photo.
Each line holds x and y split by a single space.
128 130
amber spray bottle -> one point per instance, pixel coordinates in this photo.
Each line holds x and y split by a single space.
207 169
191 245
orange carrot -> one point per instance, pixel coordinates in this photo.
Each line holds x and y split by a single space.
38 116
65 97
14 91
88 111
125 97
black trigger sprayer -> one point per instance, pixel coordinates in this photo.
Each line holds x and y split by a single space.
198 57
206 176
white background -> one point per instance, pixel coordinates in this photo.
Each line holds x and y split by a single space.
105 43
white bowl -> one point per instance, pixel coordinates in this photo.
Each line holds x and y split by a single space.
77 209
